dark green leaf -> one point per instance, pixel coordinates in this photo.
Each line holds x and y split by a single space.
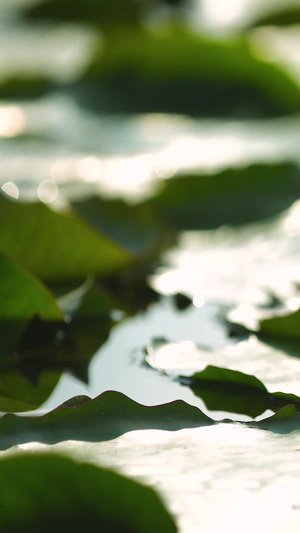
283 326
52 493
176 71
284 421
284 16
234 196
228 390
109 415
21 295
100 12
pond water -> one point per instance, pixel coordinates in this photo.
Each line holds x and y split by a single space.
53 150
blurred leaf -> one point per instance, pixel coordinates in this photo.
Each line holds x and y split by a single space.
53 493
234 196
113 13
284 16
18 394
56 246
109 415
176 71
283 326
23 86
22 296
134 227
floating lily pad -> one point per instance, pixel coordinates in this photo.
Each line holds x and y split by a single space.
54 493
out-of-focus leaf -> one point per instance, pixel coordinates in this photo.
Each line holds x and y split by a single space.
234 196
24 86
223 389
176 71
57 246
22 296
109 415
136 228
113 13
18 394
284 326
52 493
285 16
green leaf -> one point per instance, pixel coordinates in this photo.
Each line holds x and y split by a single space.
22 296
176 71
56 246
19 394
284 16
233 196
109 415
136 228
284 421
283 326
229 390
118 12
52 493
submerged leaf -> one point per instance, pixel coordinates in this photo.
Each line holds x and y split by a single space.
54 493
234 196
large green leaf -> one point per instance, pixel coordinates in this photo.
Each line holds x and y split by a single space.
233 196
56 246
52 493
176 71
107 416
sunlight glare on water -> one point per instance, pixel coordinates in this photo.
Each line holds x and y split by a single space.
12 120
